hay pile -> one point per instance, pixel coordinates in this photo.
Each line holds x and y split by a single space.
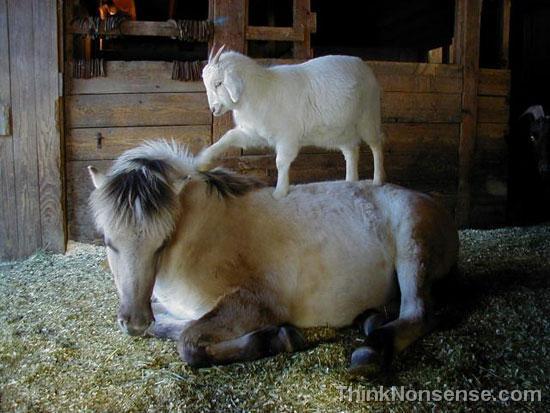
60 349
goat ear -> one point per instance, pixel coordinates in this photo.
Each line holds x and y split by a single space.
97 177
234 85
536 111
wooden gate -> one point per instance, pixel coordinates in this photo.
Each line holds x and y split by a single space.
31 190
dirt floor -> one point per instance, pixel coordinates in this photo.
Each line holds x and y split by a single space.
61 351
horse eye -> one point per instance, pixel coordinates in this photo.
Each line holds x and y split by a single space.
217 84
109 245
159 249
533 139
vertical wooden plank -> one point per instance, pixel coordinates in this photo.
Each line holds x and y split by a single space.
505 33
229 29
469 59
48 133
458 38
301 9
22 70
8 207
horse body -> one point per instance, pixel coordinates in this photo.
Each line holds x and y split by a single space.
213 248
325 252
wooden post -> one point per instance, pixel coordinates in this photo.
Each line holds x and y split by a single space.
300 13
505 33
48 130
230 22
467 35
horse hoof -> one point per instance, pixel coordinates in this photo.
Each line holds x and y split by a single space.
195 357
365 361
373 322
291 339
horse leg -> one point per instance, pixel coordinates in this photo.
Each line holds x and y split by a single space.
242 326
385 340
166 326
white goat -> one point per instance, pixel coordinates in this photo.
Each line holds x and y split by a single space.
331 102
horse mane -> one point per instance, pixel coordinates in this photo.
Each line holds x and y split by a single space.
228 184
139 188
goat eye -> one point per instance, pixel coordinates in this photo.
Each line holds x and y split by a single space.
217 84
532 138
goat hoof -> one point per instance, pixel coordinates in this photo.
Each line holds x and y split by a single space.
279 194
365 361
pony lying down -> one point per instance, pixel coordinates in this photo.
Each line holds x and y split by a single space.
211 260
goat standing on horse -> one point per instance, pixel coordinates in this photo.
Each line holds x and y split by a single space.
213 248
331 102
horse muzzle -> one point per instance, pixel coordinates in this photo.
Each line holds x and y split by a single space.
133 329
135 325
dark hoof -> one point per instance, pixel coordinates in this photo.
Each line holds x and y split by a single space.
372 322
288 339
195 357
365 361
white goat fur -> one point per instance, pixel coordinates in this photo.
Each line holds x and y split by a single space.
331 102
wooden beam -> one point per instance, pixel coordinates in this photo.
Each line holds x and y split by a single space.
288 34
467 47
134 77
49 148
505 33
230 19
82 143
301 22
137 109
136 28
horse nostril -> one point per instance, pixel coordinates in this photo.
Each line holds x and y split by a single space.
123 324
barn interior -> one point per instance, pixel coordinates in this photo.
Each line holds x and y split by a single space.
457 76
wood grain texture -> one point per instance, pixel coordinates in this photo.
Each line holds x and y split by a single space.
401 138
134 77
22 69
8 206
87 111
52 200
494 82
493 109
469 58
301 10
82 143
229 28
421 107
137 28
287 34
155 77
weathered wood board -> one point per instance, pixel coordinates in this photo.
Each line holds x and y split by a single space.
137 109
82 143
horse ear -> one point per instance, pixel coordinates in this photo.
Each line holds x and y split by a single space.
97 177
536 112
234 85
180 183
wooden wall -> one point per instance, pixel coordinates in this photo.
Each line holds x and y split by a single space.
421 108
31 186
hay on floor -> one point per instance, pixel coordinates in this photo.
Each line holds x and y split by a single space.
61 351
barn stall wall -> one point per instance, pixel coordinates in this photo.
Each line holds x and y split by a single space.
31 163
446 123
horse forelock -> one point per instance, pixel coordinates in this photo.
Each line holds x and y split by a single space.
137 191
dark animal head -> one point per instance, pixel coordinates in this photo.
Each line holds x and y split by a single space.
537 129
